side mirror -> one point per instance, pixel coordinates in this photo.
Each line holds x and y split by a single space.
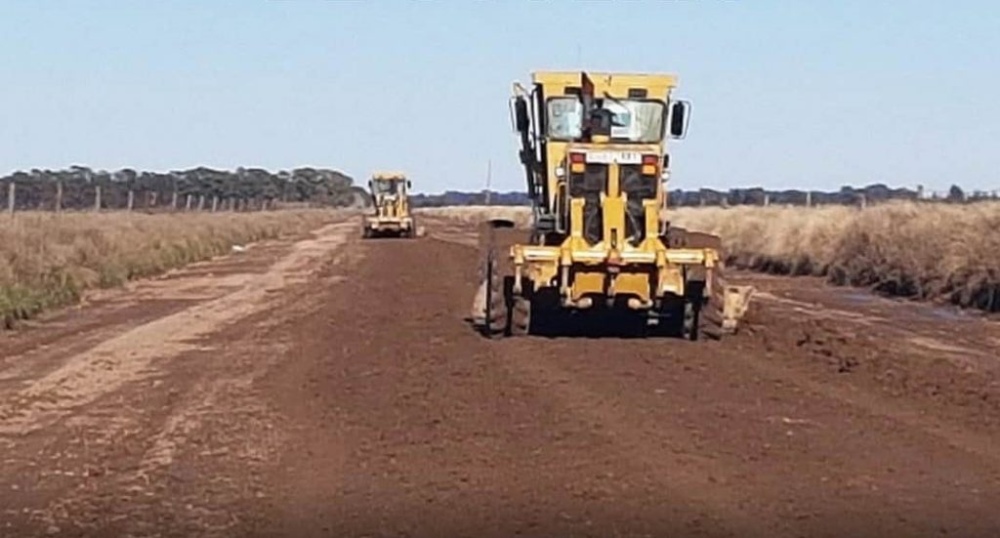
679 118
409 185
522 121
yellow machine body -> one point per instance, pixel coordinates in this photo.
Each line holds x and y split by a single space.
606 192
593 147
391 215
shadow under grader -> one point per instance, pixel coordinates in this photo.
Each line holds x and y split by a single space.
599 321
603 323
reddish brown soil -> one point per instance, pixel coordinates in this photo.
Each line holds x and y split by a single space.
332 388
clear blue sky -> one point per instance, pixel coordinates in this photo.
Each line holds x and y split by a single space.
786 94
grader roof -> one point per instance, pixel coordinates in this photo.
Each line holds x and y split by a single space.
388 175
612 83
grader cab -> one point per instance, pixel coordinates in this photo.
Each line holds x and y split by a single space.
594 153
390 198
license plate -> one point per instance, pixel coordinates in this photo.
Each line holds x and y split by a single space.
620 157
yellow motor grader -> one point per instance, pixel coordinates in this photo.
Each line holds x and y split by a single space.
390 197
599 252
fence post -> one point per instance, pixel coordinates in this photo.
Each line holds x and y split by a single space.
767 200
97 198
809 199
173 201
201 202
215 203
59 196
11 197
131 199
187 205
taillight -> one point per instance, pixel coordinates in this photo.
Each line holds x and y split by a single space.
649 165
577 164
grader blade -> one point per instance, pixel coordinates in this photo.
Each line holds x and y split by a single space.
735 306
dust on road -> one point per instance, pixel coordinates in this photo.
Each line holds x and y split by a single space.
331 387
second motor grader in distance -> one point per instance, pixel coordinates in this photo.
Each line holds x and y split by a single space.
594 152
389 193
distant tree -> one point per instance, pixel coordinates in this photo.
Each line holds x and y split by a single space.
955 194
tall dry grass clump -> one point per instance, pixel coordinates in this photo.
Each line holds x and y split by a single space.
786 240
923 251
48 260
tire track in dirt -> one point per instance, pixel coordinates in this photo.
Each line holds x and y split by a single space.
108 461
825 313
357 402
416 426
125 358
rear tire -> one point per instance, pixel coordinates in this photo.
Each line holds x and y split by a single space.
495 316
691 324
519 308
710 294
503 314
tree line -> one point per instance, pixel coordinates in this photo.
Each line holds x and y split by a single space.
79 188
874 193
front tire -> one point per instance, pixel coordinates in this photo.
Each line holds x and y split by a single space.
495 314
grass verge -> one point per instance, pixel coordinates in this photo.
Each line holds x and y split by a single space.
49 260
921 251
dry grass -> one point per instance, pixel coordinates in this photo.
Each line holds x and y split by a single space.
48 260
474 214
947 252
923 251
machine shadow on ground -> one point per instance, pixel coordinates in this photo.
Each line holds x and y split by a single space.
600 323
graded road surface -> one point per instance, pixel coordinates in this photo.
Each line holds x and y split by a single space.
329 386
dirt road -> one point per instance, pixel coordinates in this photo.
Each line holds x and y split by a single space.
330 387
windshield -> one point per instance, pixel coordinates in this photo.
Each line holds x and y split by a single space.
632 120
386 186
